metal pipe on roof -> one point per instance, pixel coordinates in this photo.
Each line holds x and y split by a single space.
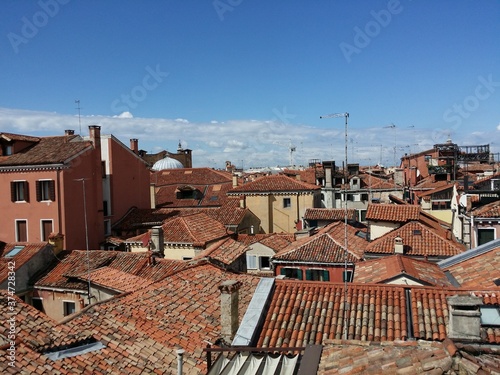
409 325
180 353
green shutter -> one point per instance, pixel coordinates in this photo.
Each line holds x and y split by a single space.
326 275
309 275
299 274
283 271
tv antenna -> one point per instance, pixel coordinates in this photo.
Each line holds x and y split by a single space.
77 102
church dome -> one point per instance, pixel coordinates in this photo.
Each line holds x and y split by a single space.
167 163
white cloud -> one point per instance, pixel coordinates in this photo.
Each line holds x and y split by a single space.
125 114
251 142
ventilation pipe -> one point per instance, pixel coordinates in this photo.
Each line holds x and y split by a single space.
180 353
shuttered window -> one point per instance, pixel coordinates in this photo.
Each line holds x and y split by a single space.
46 229
45 190
21 231
19 191
317 275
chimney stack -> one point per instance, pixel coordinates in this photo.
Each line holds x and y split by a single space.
465 317
152 196
69 132
235 181
398 245
157 245
328 168
134 145
95 135
243 203
229 308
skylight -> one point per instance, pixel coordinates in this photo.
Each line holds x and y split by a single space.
14 251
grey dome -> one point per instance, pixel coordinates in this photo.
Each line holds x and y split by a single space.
167 163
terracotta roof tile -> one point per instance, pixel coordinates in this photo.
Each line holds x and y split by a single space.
319 249
329 214
115 279
393 212
29 250
490 210
48 150
225 251
275 241
304 313
274 183
387 269
418 240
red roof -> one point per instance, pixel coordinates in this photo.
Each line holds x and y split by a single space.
28 251
418 240
274 183
386 269
329 214
48 150
393 212
275 241
490 210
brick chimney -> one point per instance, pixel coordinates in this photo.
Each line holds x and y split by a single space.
229 308
157 242
95 135
134 145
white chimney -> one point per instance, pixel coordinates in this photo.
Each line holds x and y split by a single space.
235 181
243 201
398 245
465 317
229 308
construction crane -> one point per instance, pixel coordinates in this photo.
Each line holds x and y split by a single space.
291 149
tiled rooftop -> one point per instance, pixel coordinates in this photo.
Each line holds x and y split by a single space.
318 249
329 214
225 251
303 313
30 249
386 269
393 212
274 183
48 150
275 241
370 358
190 176
418 240
490 210
196 229
74 265
115 279
479 270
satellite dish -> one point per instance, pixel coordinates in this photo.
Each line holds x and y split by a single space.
463 200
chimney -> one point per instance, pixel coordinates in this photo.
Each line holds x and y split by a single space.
398 245
465 317
69 132
57 242
229 308
327 166
235 181
243 203
95 135
134 145
152 196
157 242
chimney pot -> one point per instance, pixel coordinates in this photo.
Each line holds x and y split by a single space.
398 245
134 145
95 135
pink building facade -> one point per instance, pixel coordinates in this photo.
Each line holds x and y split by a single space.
58 184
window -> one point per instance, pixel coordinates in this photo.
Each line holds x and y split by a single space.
21 231
292 273
14 251
6 150
45 190
37 304
441 205
69 308
317 275
105 211
265 263
251 262
485 235
361 215
19 191
347 276
46 229
287 202
187 258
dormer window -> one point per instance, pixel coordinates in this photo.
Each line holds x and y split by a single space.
186 192
7 150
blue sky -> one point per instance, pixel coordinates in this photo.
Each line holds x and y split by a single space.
243 80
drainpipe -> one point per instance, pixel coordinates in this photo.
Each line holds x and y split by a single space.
409 323
180 353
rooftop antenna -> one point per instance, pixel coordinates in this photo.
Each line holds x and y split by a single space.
346 183
77 102
392 126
